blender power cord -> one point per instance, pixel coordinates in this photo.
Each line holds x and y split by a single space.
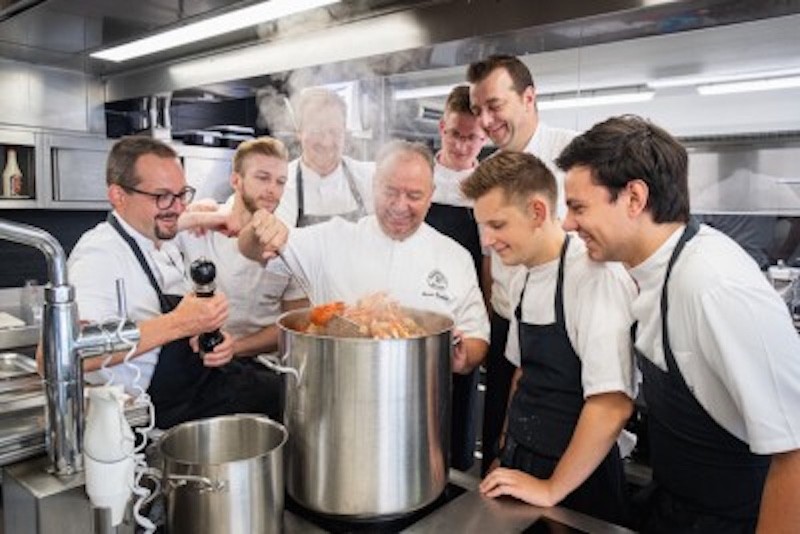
144 494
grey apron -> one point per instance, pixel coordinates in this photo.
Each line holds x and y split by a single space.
304 219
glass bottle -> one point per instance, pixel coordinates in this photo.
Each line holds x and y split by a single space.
12 175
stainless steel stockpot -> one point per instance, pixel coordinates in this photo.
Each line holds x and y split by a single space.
224 474
368 419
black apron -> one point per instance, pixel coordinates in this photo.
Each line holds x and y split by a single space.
458 223
183 389
304 219
545 409
707 480
499 373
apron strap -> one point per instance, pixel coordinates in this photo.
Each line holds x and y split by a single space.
688 233
351 183
137 251
559 297
560 286
300 196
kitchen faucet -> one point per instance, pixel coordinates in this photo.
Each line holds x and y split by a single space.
65 343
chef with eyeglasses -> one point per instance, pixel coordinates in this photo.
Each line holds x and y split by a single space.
148 192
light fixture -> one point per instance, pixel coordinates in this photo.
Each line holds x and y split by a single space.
704 79
424 92
761 84
595 98
211 27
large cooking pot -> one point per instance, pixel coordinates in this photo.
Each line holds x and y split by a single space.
368 419
224 474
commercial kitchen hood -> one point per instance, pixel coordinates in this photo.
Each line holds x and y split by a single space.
379 37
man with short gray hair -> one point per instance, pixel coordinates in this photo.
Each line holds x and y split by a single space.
393 251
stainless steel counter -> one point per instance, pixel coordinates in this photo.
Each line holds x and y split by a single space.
471 512
14 338
22 422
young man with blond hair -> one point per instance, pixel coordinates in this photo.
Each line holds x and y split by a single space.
572 392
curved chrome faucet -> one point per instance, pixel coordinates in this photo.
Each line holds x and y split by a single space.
65 344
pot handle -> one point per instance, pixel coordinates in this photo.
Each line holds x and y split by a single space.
206 484
272 362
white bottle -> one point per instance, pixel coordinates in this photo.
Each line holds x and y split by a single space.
12 175
31 301
108 445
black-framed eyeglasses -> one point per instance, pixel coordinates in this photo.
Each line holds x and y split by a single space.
164 201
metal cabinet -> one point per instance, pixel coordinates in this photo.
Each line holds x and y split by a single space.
77 167
208 170
67 171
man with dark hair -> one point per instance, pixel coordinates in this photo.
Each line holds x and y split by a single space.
323 182
148 191
451 214
503 98
572 393
714 342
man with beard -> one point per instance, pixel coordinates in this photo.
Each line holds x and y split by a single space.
256 295
148 192
322 182
503 98
393 251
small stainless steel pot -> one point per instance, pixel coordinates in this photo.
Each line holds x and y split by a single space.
224 474
368 419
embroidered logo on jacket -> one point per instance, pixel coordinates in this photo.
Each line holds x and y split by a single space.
437 280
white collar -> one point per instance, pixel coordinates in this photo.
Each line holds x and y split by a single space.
309 172
144 242
653 270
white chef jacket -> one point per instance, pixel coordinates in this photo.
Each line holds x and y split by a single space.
328 195
254 293
597 316
448 186
731 334
428 270
546 144
101 257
